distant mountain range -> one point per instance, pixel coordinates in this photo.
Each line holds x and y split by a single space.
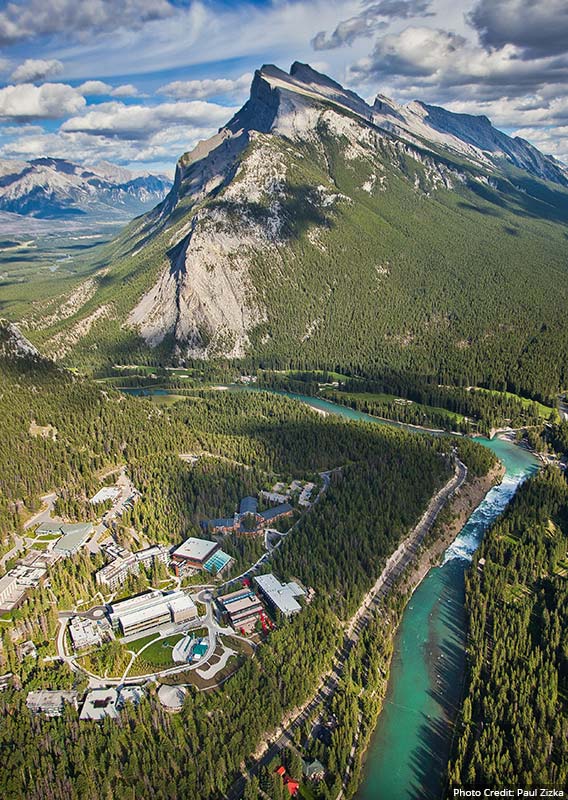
53 188
316 229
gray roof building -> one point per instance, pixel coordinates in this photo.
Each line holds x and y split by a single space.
50 701
281 595
278 511
248 505
74 537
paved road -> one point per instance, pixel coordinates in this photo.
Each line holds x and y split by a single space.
45 514
393 570
18 546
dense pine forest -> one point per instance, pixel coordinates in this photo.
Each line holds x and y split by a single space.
383 480
514 725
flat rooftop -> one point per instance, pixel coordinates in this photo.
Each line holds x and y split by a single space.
74 537
244 604
100 703
134 602
106 493
281 594
195 549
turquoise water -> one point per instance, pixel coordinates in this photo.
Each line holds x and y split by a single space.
409 751
408 755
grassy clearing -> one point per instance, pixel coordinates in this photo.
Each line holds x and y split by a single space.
159 654
543 410
137 645
381 398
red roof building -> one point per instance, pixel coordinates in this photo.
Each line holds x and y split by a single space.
291 785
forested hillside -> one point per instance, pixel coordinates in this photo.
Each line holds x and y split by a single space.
306 235
387 477
514 722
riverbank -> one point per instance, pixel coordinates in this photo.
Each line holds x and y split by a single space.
446 529
445 532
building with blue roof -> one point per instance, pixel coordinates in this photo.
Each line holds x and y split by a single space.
248 505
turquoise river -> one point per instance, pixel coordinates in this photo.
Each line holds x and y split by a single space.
409 750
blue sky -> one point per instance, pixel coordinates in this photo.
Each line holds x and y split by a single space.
139 82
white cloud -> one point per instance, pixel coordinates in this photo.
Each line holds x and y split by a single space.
19 21
82 147
550 140
140 122
370 20
208 87
100 88
426 57
94 88
48 101
36 69
125 90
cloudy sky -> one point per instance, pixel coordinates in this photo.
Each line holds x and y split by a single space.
139 82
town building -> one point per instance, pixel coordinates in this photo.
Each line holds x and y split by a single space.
274 497
125 563
242 608
314 770
10 592
281 596
114 574
182 608
248 521
221 525
16 583
73 538
291 785
151 609
50 701
100 703
305 495
84 633
172 697
150 555
104 494
248 505
272 514
39 558
130 694
28 649
192 554
195 554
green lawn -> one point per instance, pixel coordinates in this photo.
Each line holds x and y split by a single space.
159 654
383 398
137 645
543 410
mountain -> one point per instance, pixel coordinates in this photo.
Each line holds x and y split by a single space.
472 137
317 230
55 188
13 344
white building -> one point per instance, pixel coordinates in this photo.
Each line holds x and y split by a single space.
100 703
50 701
150 610
126 563
104 494
153 554
84 633
114 574
281 596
